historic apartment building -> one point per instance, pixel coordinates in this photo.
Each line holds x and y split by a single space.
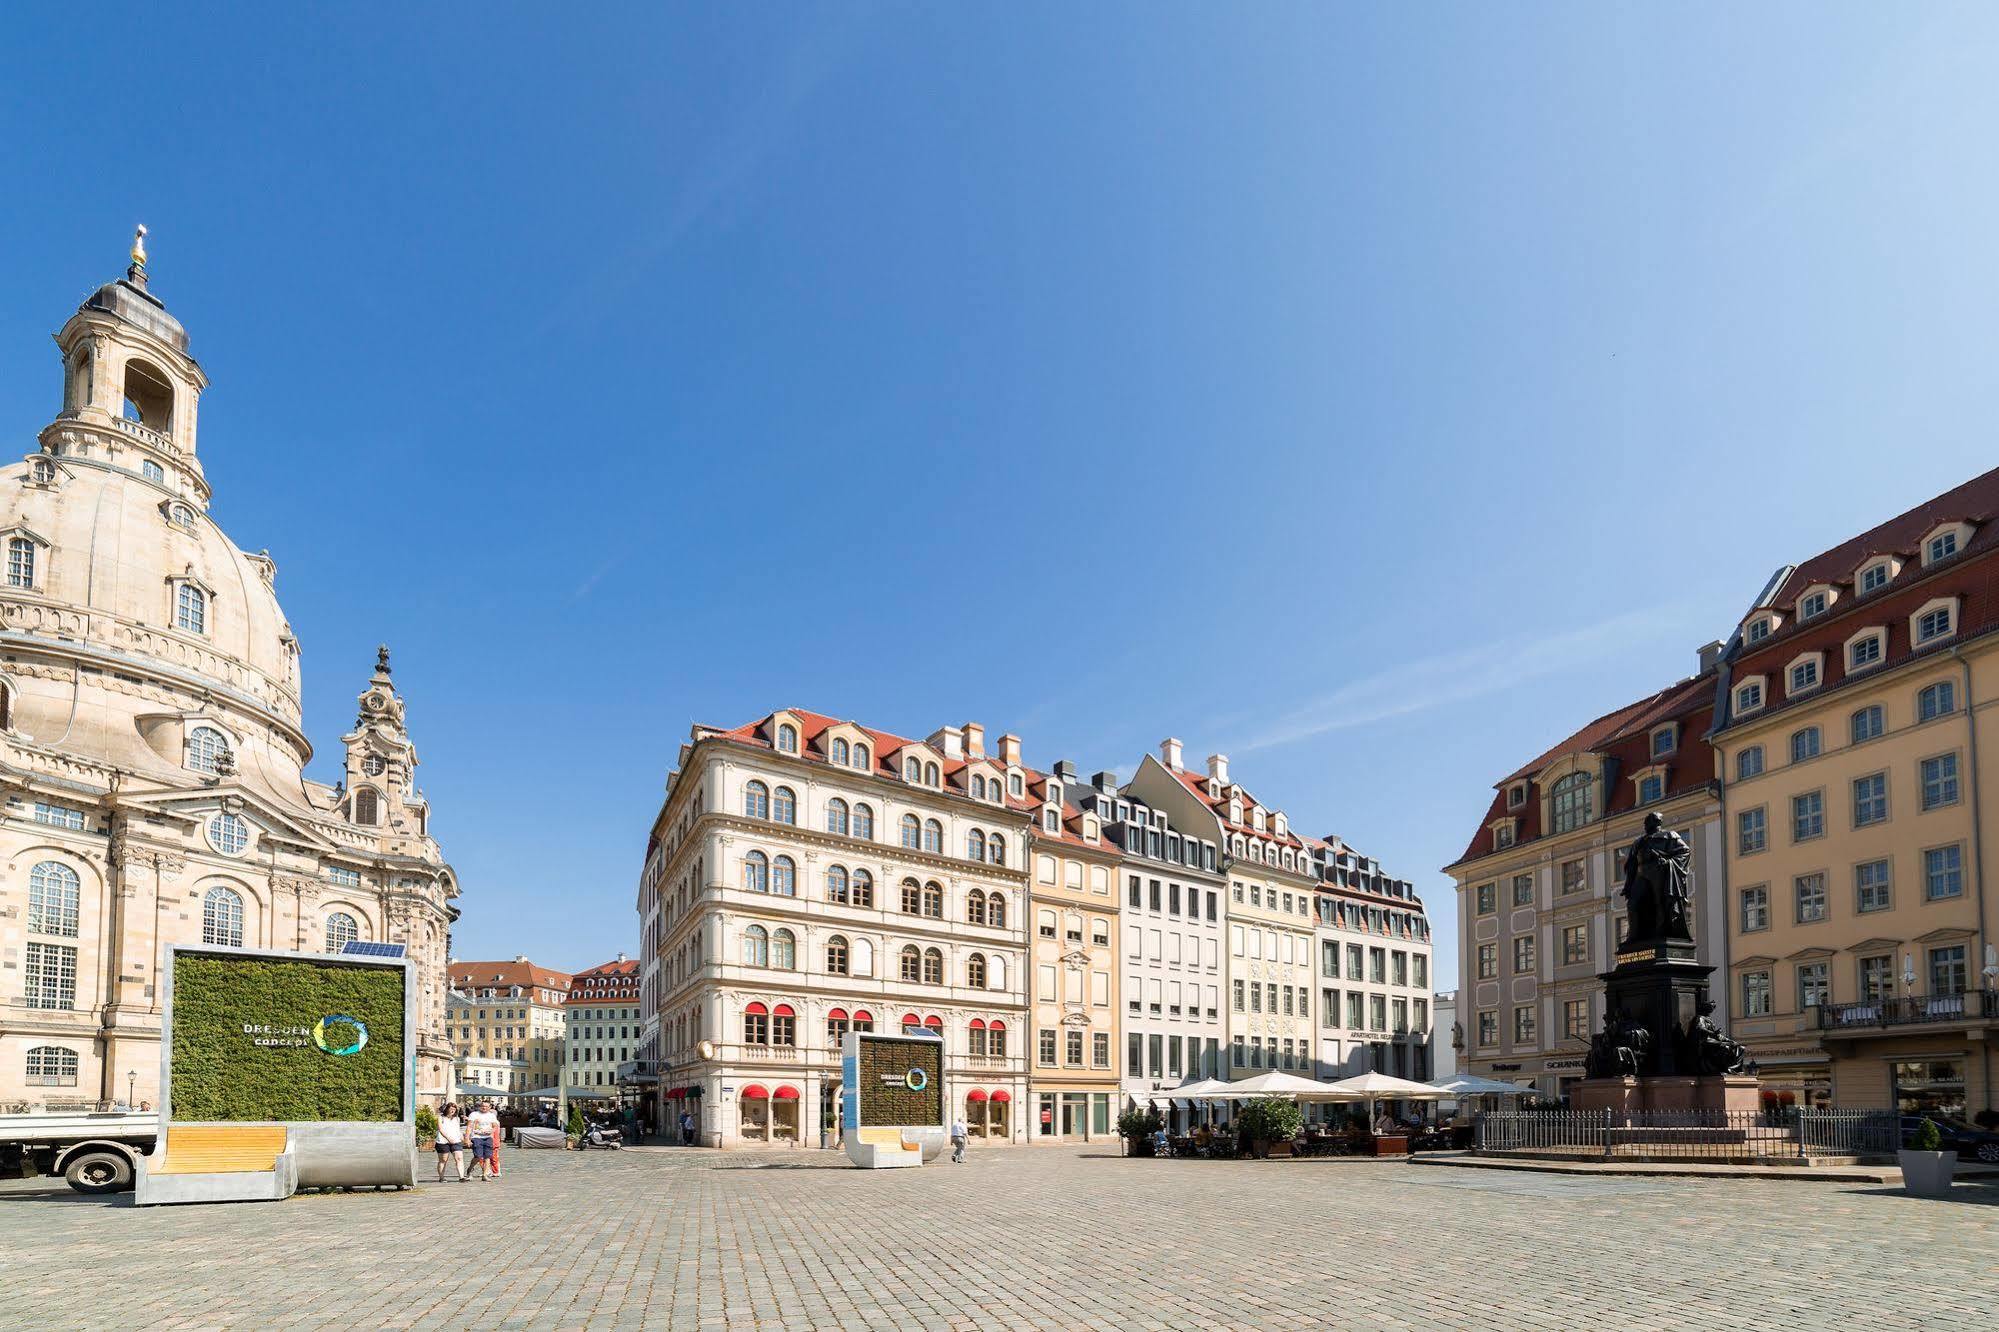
1540 913
601 1028
1859 805
811 876
152 753
1373 941
1172 969
1072 897
507 1024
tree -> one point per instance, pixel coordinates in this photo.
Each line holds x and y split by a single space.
576 1128
426 1124
1269 1119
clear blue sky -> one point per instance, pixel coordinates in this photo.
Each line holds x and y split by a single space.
1371 393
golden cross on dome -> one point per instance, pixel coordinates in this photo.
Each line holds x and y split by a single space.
139 245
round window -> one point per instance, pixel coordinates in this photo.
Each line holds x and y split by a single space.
229 834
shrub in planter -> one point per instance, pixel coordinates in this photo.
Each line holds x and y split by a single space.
426 1124
1926 1170
576 1127
1269 1119
1136 1127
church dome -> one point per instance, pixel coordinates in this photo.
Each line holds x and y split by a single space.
139 307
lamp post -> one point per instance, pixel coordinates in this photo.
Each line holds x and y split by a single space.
132 1089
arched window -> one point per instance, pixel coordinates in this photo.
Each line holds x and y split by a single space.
930 774
863 888
756 801
51 1066
756 946
836 883
996 910
975 1043
861 960
367 806
912 898
341 930
975 845
839 752
996 848
996 973
784 806
222 918
912 832
54 893
756 872
784 1031
933 901
975 908
978 787
205 748
787 739
861 758
756 1029
836 955
864 822
933 966
1570 798
784 877
836 816
784 950
911 963
180 515
912 768
153 472
975 971
933 836
20 562
838 1024
191 609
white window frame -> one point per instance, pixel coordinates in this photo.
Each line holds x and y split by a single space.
1762 687
1877 636
1949 606
1815 661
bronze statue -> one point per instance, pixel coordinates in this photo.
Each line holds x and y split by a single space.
1658 885
1620 1049
1709 1049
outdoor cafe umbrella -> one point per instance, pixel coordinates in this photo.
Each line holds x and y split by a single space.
1276 1083
1464 1084
1372 1087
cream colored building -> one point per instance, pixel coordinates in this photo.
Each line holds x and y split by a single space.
1860 769
1072 897
152 761
809 876
1373 939
508 1021
603 1031
1539 906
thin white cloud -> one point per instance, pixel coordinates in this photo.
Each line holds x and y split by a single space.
1453 677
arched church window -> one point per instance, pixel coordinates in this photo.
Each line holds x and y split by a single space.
341 930
153 472
367 806
191 609
20 562
205 748
222 918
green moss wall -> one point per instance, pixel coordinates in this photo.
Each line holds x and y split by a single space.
221 1073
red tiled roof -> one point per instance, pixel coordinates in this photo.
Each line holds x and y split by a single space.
502 975
1626 735
1198 784
623 977
1976 501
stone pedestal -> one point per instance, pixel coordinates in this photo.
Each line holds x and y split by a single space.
1736 1093
1732 1093
1657 985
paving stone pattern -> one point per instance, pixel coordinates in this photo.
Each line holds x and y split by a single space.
1015 1238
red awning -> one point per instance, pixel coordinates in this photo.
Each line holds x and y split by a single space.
676 1093
934 1021
997 1025
978 1024
786 1093
1002 1095
754 1092
863 1015
783 1010
911 1020
837 1015
975 1097
755 1010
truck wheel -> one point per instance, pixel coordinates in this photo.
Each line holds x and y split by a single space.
98 1172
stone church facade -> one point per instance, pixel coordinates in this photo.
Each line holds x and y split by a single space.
152 756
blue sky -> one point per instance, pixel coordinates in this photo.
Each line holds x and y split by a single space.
1372 393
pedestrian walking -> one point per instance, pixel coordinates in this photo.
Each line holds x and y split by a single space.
450 1141
686 1129
484 1130
960 1136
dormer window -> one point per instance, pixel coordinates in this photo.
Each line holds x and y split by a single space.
1934 622
153 472
1875 576
1051 820
1940 547
1760 628
1749 695
21 562
42 472
1803 674
1651 787
787 739
1502 836
190 608
181 515
1016 784
912 769
862 758
1813 603
1665 740
1865 649
839 752
1516 795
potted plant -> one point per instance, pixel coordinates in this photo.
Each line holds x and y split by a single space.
426 1126
1136 1127
1926 1167
576 1127
1269 1119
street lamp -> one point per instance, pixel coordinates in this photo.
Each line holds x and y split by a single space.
132 1090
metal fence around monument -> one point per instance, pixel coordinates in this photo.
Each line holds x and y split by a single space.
1687 1135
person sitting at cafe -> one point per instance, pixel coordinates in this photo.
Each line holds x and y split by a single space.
1384 1125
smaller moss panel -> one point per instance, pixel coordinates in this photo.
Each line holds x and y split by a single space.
258 1038
901 1081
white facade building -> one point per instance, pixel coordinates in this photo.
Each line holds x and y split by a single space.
1374 969
601 1028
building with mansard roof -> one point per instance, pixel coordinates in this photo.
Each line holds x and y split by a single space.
152 757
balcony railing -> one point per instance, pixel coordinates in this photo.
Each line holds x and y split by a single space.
1909 1010
141 431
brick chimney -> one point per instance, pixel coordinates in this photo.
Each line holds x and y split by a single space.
1218 769
975 740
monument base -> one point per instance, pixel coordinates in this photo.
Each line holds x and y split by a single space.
1729 1093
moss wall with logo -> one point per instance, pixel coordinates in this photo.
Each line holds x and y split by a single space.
252 1040
884 1068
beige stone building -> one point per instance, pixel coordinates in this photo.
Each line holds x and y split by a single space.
602 1034
508 1021
1859 789
1072 896
152 761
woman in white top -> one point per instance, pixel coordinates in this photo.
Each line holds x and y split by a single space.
450 1141
484 1128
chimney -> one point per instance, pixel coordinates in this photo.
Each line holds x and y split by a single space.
950 742
1009 745
1065 771
1218 769
1169 753
1710 656
621 956
1105 782
975 740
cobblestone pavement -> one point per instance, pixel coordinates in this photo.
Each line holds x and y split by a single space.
1015 1238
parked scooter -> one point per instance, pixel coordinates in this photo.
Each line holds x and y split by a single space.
599 1136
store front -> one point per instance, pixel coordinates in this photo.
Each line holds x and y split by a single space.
768 1114
986 1113
1073 1115
1929 1086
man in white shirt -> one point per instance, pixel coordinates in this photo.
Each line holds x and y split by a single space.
484 1128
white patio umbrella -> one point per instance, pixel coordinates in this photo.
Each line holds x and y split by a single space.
1381 1087
1276 1083
1466 1085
